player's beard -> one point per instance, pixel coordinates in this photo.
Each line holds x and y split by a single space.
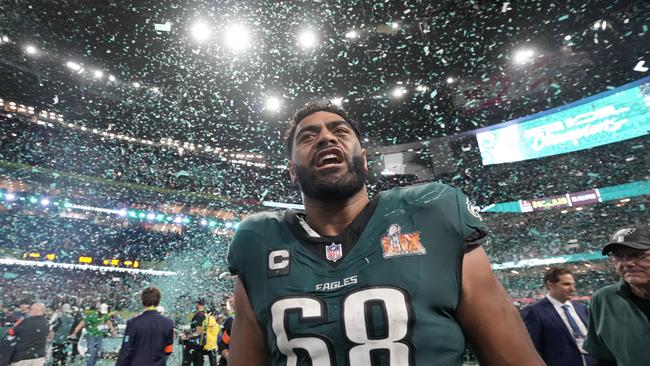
324 188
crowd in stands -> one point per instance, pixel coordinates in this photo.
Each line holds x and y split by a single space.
97 156
517 236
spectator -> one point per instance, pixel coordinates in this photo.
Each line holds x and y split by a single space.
22 312
31 335
620 313
61 326
149 337
95 322
224 334
557 325
212 329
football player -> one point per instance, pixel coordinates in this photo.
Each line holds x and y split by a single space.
320 288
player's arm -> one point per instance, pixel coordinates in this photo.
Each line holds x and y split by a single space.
489 320
79 327
247 340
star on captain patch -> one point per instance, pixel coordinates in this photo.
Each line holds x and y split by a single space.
333 252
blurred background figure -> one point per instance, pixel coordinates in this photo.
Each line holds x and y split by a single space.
96 322
212 329
557 325
31 334
620 313
226 327
149 337
194 341
61 325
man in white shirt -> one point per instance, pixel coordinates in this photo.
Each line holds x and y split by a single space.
558 326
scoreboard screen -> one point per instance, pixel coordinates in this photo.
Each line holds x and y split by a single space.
616 115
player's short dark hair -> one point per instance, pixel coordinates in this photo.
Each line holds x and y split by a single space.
553 274
150 296
313 107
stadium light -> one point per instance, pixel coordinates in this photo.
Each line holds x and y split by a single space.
338 101
73 65
398 92
45 202
237 37
450 80
523 56
10 197
352 34
31 49
307 39
394 25
136 84
5 39
111 78
200 31
272 104
98 74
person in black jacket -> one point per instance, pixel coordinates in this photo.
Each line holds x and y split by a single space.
149 337
193 343
31 336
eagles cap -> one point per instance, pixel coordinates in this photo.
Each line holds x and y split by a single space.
637 237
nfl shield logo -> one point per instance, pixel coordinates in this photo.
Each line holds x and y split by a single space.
334 252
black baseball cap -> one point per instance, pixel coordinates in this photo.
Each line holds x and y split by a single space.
637 237
200 301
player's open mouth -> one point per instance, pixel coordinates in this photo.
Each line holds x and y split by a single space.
328 158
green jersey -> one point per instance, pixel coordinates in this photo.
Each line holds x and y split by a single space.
95 323
62 328
390 301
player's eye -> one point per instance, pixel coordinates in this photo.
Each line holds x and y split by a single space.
306 136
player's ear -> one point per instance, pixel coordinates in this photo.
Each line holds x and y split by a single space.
364 152
292 171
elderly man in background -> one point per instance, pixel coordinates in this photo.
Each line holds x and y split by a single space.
619 321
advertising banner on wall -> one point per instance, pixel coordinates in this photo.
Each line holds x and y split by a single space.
605 118
566 200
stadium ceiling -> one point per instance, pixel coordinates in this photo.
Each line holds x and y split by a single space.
230 73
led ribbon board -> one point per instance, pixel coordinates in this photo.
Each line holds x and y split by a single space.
616 115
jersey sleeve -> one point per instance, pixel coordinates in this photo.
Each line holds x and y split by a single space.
248 249
240 253
470 224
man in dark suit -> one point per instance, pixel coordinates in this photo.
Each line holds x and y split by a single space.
149 337
557 325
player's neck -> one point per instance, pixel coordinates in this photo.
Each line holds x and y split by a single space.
331 218
641 291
